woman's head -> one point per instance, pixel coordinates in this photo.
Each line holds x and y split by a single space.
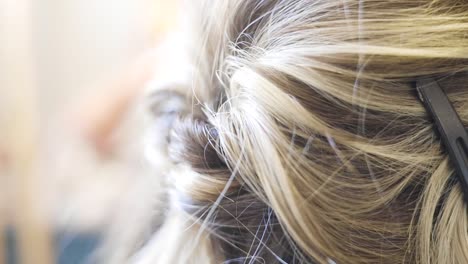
305 140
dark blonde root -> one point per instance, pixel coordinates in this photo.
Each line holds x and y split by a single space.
309 144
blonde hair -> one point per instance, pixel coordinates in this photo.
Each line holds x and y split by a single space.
304 140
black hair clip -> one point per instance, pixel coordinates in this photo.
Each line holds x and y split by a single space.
452 131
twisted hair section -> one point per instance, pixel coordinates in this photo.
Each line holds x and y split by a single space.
310 144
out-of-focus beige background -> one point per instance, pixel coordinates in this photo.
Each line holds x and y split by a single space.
60 63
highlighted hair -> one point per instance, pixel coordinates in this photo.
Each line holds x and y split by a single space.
309 144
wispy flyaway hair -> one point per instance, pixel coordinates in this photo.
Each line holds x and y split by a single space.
304 140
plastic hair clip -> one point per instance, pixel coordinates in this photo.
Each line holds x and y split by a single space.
452 131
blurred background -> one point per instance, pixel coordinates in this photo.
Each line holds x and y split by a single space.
71 75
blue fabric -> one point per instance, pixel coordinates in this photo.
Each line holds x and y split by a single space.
70 248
